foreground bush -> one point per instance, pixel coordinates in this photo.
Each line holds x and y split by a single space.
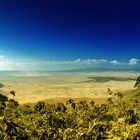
117 119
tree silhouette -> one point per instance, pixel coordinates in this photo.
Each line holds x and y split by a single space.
137 83
12 92
109 91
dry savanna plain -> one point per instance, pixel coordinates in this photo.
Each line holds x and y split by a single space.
59 88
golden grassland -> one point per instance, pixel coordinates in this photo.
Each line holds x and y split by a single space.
47 112
60 88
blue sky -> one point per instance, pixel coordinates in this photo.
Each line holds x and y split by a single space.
68 34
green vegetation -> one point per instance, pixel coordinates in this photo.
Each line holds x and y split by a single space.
106 79
133 94
137 84
117 119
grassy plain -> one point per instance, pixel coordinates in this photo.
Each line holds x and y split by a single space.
59 88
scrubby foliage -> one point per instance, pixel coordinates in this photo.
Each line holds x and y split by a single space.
137 83
117 119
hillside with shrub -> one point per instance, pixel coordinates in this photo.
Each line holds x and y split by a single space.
118 118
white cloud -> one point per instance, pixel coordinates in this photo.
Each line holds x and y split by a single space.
133 61
7 63
78 60
114 62
92 61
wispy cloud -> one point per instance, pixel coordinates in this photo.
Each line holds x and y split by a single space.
79 62
13 64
